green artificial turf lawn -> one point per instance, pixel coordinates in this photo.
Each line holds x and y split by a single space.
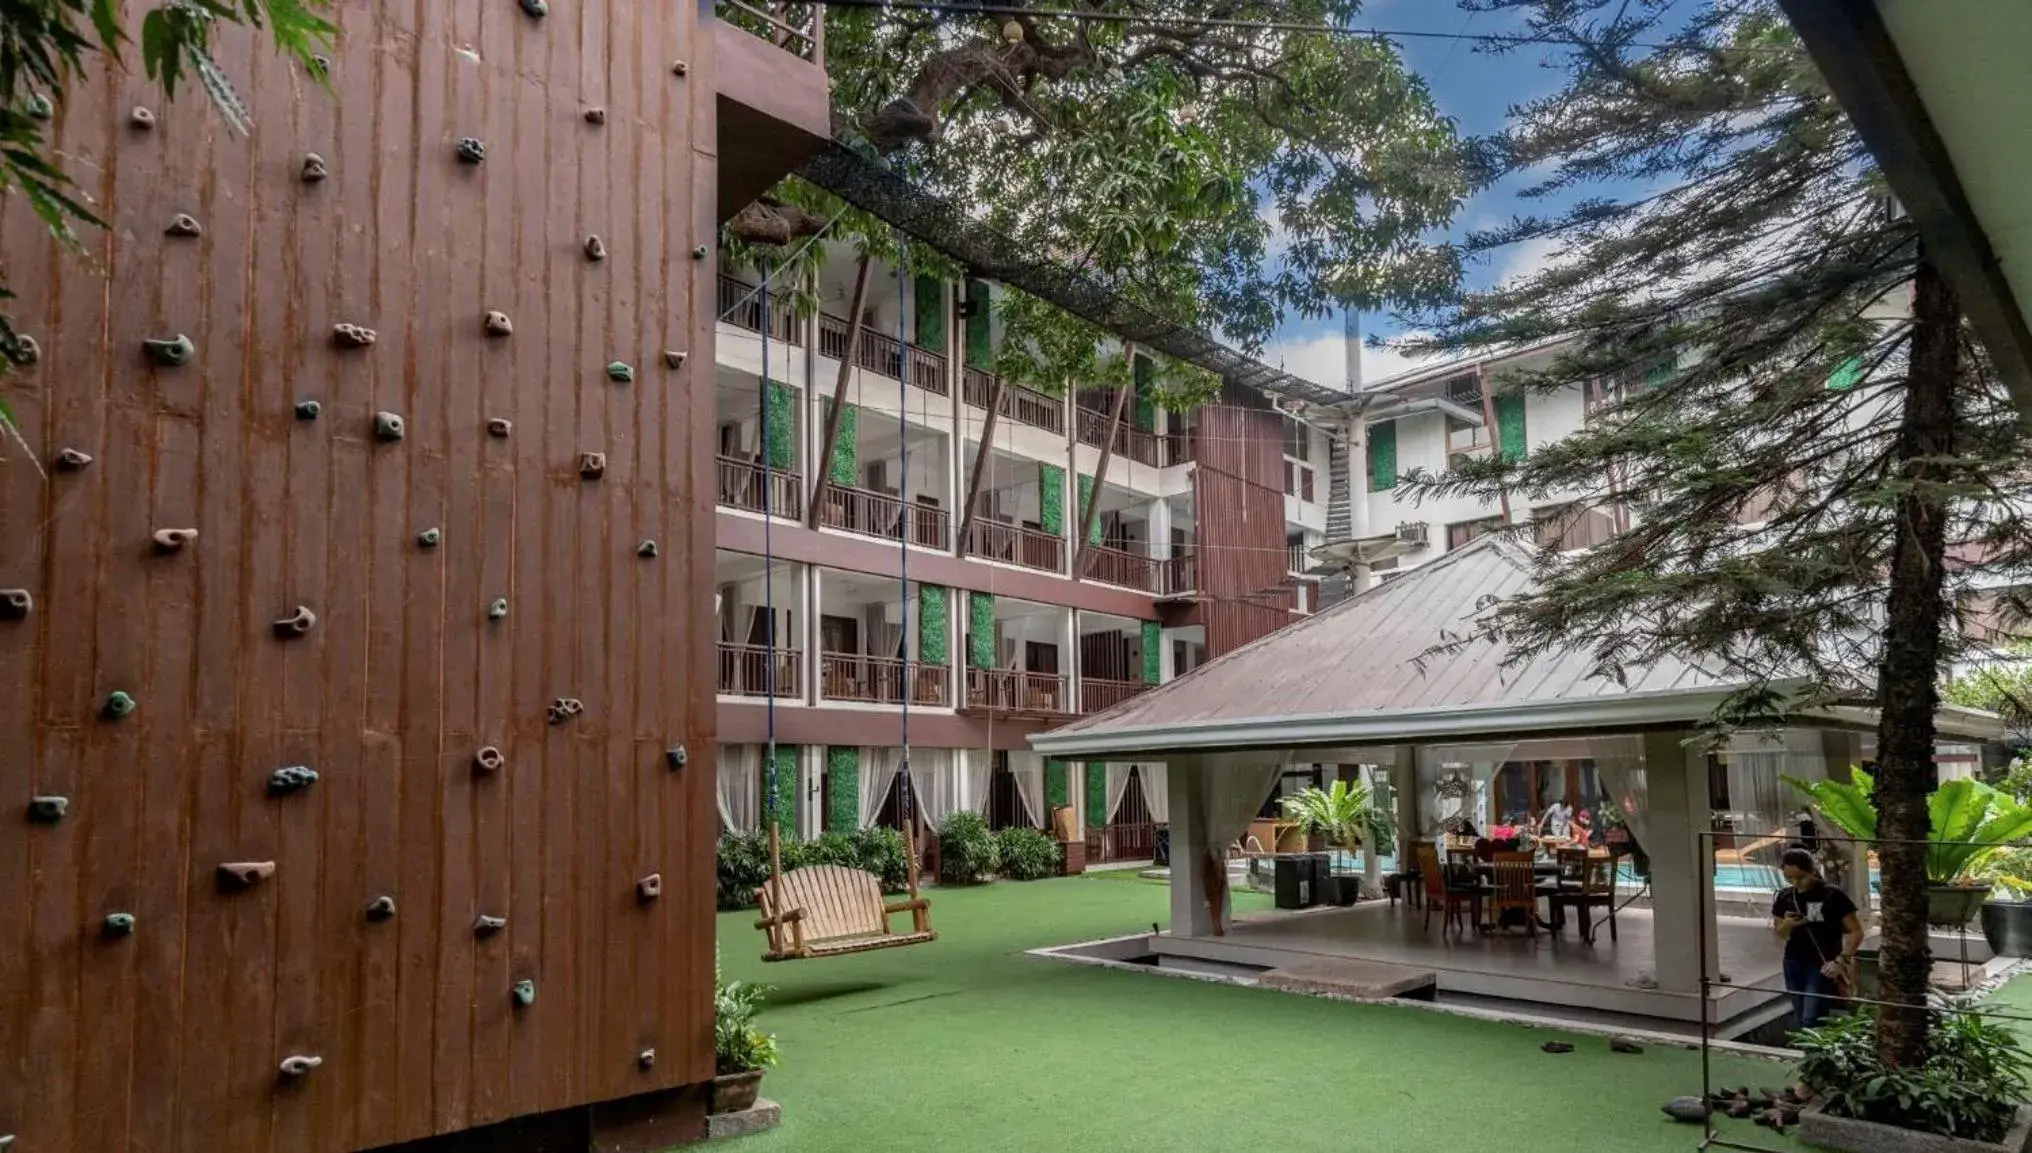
967 1044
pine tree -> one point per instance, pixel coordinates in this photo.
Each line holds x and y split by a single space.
1775 348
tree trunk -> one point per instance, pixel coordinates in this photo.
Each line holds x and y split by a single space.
1908 680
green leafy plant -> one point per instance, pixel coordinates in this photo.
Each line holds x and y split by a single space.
738 1046
2011 872
825 849
882 853
742 864
1971 821
967 850
1027 853
1344 813
1969 1086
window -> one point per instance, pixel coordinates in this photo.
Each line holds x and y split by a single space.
1467 530
1305 484
1464 440
1564 528
1383 456
1297 439
1290 480
839 634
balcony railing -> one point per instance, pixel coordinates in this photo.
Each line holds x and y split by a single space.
1130 842
1097 694
880 514
1116 567
797 28
1014 544
1297 558
1020 404
880 680
1157 450
1015 691
882 354
743 310
745 669
743 485
1181 574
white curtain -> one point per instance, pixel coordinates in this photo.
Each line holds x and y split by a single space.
1028 770
1117 780
1476 765
1232 789
1619 761
740 787
1156 790
980 777
936 780
878 772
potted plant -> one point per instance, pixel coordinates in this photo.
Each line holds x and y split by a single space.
1971 823
1966 1097
2007 915
1344 815
741 1052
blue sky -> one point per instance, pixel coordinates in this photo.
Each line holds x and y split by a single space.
1476 88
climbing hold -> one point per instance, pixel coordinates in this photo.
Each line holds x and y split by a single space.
592 465
646 1059
1625 1045
381 908
141 118
525 993
173 539
72 459
48 810
674 359
15 604
676 758
565 708
487 925
472 150
1686 1110
39 106
117 925
291 778
498 609
646 549
25 351
388 426
489 760
297 623
680 68
314 170
244 874
596 249
498 324
308 409
620 372
596 116
173 352
353 336
300 1066
650 887
536 8
429 538
119 704
700 252
1556 1047
184 224
321 65
499 427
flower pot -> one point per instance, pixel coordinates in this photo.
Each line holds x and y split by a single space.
1952 906
1823 1130
734 1092
2007 926
1343 890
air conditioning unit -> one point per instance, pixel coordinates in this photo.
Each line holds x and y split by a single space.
1465 390
1412 532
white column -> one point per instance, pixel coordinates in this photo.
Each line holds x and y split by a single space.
1167 669
1682 872
1160 528
1076 795
1069 631
1842 752
1190 915
809 634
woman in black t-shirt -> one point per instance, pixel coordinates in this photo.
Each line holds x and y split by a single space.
1821 931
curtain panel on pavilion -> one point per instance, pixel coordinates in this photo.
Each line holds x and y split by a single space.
1156 790
739 791
936 780
1028 770
878 773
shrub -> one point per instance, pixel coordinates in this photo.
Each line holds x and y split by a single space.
1027 854
1968 1087
881 853
738 1045
967 851
825 849
743 865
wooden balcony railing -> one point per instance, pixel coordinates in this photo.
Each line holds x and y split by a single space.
880 680
742 486
880 514
741 307
1116 567
1020 404
1297 558
1181 574
797 28
745 669
1130 842
1015 691
1097 694
1157 450
1015 544
883 354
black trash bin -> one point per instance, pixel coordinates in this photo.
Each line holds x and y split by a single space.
1298 878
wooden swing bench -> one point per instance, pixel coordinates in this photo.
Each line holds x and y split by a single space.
831 910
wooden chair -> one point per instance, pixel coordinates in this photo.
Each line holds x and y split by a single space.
1571 875
1516 887
1597 890
1443 895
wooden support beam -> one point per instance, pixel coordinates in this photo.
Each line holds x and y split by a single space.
1093 509
832 420
980 462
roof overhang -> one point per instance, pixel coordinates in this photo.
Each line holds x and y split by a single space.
1937 89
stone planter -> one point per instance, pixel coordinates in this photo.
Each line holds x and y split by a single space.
1952 906
1848 1135
2007 926
734 1092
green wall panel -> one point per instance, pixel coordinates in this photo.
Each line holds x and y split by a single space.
1097 795
1056 791
786 792
846 468
980 351
1511 439
843 789
1051 499
1846 375
1086 500
930 293
934 625
1383 456
980 630
1146 409
1153 641
782 425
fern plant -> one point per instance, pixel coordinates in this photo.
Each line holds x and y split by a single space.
1345 813
1971 821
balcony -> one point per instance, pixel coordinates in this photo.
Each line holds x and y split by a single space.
1136 841
744 484
1297 558
1180 574
1020 404
773 101
1017 545
745 672
1097 693
1154 449
1117 567
882 355
741 306
877 514
1016 691
881 680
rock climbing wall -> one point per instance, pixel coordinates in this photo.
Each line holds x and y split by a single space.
360 623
